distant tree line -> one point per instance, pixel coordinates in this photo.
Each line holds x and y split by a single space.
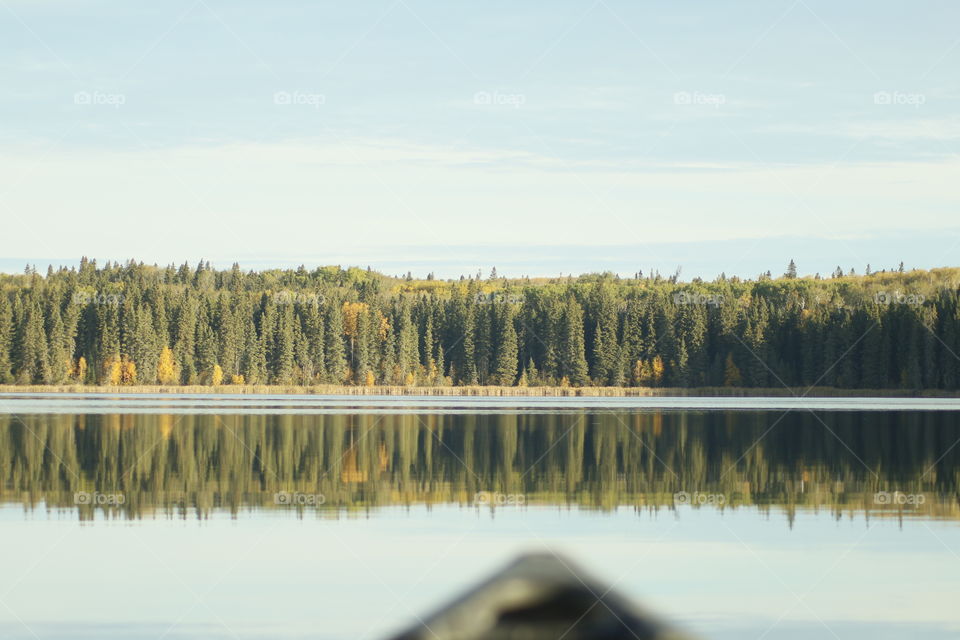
200 462
140 324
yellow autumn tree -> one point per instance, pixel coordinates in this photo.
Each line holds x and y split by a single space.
216 376
351 315
370 378
382 326
237 379
166 367
81 370
112 371
128 371
656 371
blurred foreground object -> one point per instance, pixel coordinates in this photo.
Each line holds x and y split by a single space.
541 597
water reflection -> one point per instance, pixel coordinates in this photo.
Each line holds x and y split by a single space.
126 465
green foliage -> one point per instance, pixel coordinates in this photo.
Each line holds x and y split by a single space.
888 329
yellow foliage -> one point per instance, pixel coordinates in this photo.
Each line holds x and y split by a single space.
166 367
656 368
351 314
370 379
383 327
112 371
564 381
81 370
235 379
128 371
410 379
216 376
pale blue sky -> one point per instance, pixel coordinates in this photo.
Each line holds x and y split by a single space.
450 136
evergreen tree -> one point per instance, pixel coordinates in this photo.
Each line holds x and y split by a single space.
573 366
6 340
335 350
507 352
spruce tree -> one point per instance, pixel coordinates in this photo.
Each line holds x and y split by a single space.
507 351
573 364
334 348
6 340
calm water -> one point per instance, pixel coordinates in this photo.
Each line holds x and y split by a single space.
312 517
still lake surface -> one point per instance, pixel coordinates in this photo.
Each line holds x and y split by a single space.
294 517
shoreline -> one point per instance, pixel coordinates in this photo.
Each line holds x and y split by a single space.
485 391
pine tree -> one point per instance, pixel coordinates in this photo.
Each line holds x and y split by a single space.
33 361
507 352
408 355
144 346
184 340
606 354
574 361
315 336
283 346
60 354
731 374
467 362
6 340
334 348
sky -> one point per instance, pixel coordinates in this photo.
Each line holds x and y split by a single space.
538 137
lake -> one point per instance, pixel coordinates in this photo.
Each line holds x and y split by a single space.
309 516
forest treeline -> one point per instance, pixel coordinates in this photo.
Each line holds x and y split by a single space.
197 463
140 324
